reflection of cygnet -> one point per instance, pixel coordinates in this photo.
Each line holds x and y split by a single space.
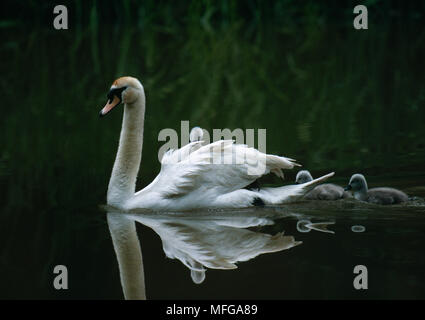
306 226
358 228
358 185
327 191
196 134
302 226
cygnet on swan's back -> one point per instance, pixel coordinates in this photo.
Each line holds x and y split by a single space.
196 134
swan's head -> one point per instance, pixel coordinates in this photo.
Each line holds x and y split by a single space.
124 89
303 176
357 183
196 134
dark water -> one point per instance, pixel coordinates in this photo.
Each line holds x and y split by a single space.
333 98
319 268
391 247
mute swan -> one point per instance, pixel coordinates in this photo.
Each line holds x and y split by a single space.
193 176
376 195
327 191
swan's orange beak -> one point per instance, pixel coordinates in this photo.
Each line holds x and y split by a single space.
110 105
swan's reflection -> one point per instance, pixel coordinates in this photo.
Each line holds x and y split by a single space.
200 240
129 256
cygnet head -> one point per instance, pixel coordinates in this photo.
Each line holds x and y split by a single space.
303 176
196 134
124 89
357 183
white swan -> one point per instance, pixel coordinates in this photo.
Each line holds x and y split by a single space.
194 176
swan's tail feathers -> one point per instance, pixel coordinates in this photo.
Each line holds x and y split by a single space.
306 187
277 163
290 193
278 172
281 162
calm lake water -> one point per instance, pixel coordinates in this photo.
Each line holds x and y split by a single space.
321 267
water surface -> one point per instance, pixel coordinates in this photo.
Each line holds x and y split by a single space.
262 253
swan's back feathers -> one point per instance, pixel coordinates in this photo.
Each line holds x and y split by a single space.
227 152
222 165
175 156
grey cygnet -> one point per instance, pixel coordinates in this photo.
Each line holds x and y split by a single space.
326 191
358 185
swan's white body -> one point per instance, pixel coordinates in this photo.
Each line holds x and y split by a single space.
194 176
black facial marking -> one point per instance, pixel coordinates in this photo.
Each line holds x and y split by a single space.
115 92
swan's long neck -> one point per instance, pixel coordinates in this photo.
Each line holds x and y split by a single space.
127 162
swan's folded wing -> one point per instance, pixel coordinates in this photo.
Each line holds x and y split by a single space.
219 167
179 179
174 156
252 161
